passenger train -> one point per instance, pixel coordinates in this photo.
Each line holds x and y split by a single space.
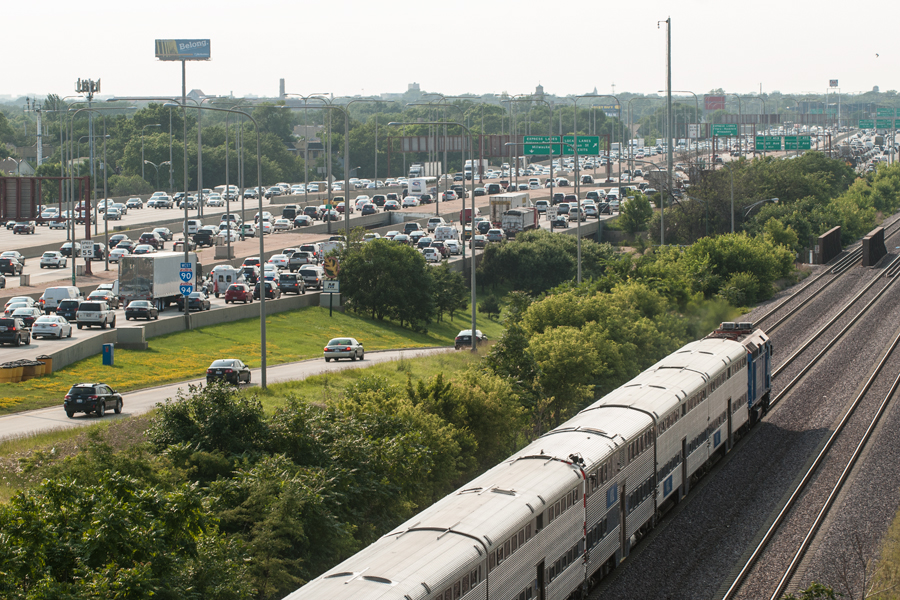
565 510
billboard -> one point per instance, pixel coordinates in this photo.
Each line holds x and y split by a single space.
182 49
714 102
832 83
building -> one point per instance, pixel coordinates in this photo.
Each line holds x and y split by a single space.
11 166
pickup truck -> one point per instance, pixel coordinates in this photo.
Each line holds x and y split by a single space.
95 313
205 236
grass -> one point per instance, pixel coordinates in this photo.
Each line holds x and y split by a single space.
23 460
290 336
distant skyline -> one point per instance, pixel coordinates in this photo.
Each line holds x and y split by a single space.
350 47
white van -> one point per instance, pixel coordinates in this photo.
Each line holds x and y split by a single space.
52 296
193 226
446 232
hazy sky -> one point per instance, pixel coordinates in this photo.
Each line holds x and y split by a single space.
349 47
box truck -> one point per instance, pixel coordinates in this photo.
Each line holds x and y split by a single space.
504 202
155 277
519 219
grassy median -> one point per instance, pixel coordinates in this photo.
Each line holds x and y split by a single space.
290 336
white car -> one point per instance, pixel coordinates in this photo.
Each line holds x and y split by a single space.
51 326
313 187
453 246
117 253
432 255
410 201
62 224
229 234
266 227
282 225
279 260
215 200
53 259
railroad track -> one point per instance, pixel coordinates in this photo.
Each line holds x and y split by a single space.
803 499
769 322
802 493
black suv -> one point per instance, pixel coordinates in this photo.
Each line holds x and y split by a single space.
291 282
92 398
11 266
410 226
67 309
14 331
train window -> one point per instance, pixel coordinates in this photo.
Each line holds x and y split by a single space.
521 537
439 597
528 532
448 594
465 584
456 590
522 595
493 562
500 556
539 522
557 509
512 545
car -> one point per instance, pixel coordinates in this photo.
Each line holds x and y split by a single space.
104 296
164 232
28 314
401 238
11 266
59 223
14 306
231 370
576 215
13 331
409 202
302 221
51 326
195 301
494 235
449 196
272 290
483 227
24 227
68 309
215 200
266 216
432 255
480 191
178 245
391 234
152 238
368 209
250 273
480 241
53 259
391 205
453 246
291 282
92 398
144 249
541 206
344 347
559 221
141 309
134 203
281 225
279 260
590 210
441 247
266 227
464 339
112 214
248 230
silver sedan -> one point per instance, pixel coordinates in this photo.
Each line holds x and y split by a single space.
51 326
344 348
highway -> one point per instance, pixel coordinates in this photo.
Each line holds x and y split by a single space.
142 401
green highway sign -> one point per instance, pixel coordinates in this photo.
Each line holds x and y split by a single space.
546 145
768 142
884 123
884 112
816 111
867 123
725 130
797 142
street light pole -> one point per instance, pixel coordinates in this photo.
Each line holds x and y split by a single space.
472 266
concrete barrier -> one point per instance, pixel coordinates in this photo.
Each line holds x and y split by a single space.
134 337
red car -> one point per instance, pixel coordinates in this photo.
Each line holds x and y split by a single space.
238 292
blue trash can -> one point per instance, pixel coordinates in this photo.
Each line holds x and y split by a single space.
108 355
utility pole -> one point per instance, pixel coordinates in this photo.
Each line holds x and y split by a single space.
662 211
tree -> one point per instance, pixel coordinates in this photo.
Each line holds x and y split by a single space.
490 306
635 214
450 292
386 280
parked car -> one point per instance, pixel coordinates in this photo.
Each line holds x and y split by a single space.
51 326
231 370
344 348
92 398
141 309
464 339
238 292
53 259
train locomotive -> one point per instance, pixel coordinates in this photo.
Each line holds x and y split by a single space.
565 510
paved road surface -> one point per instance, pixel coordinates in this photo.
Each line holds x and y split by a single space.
141 401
